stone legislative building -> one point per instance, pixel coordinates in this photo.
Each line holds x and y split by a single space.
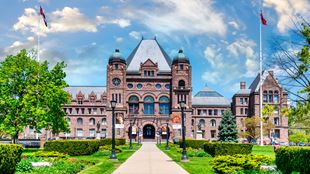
148 87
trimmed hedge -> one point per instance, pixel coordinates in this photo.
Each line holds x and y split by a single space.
235 163
79 147
218 148
293 159
10 155
46 154
195 144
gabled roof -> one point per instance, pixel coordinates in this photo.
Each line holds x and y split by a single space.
254 87
209 97
148 49
85 90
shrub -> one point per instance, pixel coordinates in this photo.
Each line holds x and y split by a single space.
79 147
196 144
293 159
62 166
193 152
24 166
10 155
46 154
109 148
215 149
231 164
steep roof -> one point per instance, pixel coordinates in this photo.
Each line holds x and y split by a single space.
254 87
85 90
148 49
209 97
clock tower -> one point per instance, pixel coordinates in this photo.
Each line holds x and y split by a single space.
116 82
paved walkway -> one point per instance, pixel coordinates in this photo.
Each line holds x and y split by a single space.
149 160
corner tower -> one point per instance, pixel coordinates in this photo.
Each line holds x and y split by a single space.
116 83
182 87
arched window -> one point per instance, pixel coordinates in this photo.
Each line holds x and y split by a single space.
104 121
91 121
276 97
202 122
148 105
212 123
181 83
80 121
164 106
133 104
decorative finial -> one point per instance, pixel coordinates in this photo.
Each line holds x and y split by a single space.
180 51
117 50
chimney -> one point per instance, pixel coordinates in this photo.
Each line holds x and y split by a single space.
271 73
242 85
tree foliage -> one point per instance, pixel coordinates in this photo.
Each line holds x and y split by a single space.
32 95
228 129
293 60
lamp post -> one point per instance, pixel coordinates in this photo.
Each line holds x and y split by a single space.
167 136
113 155
184 155
130 134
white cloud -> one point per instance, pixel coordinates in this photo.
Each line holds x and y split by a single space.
234 24
287 10
212 76
66 20
191 17
245 47
119 39
135 35
123 23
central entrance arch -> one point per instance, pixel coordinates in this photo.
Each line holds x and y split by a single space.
148 132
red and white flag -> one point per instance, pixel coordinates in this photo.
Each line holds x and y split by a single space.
43 16
264 22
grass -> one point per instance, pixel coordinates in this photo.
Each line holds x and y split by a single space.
96 163
104 165
195 165
201 164
263 150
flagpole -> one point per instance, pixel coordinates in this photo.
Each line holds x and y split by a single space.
261 81
38 35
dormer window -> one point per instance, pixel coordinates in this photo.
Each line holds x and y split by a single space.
116 66
80 100
149 73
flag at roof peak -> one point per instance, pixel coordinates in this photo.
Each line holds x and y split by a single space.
148 49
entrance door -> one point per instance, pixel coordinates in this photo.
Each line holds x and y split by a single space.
148 132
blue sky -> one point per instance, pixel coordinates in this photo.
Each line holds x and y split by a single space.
221 37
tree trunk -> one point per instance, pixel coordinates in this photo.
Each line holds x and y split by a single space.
15 138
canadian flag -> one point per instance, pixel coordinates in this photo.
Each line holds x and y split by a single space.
264 22
43 16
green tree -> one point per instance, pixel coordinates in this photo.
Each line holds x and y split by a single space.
299 137
32 95
295 76
268 113
228 129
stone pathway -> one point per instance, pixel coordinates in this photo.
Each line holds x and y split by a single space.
149 160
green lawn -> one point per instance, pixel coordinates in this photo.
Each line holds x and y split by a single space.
201 164
263 150
96 163
195 165
104 165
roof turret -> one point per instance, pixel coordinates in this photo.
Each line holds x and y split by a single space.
117 57
180 58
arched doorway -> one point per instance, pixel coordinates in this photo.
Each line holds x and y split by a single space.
148 132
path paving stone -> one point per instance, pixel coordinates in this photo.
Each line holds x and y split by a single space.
149 160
